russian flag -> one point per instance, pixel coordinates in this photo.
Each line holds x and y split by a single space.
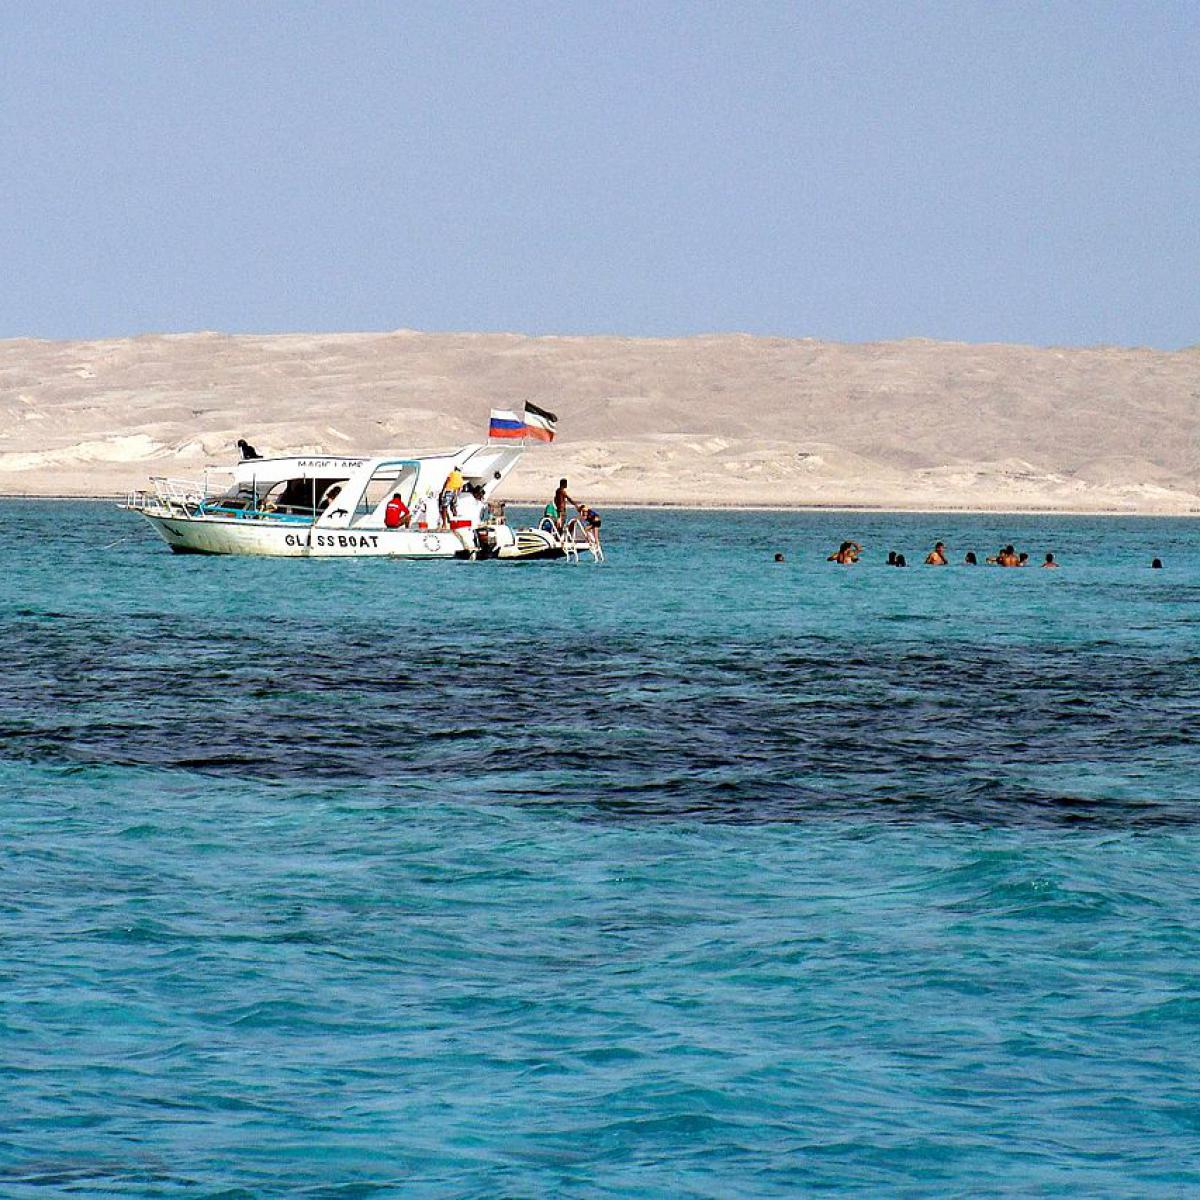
505 424
539 423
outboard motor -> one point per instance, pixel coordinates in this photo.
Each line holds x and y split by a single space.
485 537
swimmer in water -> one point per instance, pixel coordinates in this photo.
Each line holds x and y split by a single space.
779 558
1023 560
847 553
1049 560
971 560
1156 565
891 562
937 556
901 561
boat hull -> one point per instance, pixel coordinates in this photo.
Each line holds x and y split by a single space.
206 535
530 544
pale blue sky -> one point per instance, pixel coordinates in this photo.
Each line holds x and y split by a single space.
990 172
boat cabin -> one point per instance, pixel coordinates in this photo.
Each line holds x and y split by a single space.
346 492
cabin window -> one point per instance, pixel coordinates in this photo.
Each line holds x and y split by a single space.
297 497
384 485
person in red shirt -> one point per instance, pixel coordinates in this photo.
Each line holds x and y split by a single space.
396 515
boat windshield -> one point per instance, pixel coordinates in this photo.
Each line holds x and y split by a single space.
390 479
299 497
289 497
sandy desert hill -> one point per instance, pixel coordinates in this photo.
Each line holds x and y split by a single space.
721 419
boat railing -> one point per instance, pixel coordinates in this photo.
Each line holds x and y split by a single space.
574 537
579 536
166 494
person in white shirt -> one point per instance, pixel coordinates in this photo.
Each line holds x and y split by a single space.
426 512
466 517
469 508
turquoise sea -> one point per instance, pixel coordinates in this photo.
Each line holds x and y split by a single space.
688 874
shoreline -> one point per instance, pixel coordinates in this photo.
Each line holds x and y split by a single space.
724 423
797 506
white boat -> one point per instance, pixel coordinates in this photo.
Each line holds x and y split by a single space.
333 506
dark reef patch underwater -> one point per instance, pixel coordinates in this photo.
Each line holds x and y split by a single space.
686 874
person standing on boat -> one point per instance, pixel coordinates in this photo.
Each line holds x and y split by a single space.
561 500
448 500
466 511
466 517
427 511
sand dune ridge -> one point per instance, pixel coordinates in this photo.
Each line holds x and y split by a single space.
713 419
